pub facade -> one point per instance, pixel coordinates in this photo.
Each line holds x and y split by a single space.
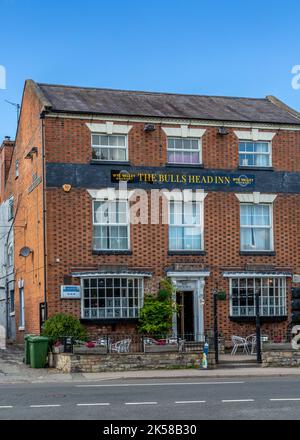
117 190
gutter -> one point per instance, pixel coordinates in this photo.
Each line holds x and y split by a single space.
42 116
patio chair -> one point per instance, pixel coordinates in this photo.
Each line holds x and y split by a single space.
121 346
251 343
239 342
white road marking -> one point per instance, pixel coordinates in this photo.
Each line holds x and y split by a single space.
93 404
6 406
190 401
140 403
285 399
43 406
237 400
156 384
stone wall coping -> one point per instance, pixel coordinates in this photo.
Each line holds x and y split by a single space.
278 347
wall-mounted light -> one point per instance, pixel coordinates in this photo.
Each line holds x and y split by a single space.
222 131
29 155
149 127
25 251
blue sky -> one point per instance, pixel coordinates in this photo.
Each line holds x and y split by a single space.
232 47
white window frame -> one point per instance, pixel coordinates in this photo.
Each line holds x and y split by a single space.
21 309
112 224
125 148
269 153
17 169
200 225
282 298
182 150
98 315
10 207
270 227
10 255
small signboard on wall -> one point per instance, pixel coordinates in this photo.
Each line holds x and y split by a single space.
70 292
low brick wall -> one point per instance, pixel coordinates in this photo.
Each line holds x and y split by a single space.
97 363
280 355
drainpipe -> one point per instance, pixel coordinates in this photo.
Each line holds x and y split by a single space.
42 116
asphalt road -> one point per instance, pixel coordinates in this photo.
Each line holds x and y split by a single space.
181 399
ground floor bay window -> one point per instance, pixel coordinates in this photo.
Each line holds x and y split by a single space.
272 296
112 297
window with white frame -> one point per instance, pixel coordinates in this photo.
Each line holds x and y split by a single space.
117 297
255 154
272 296
10 215
21 308
184 151
10 255
111 225
185 226
256 227
109 147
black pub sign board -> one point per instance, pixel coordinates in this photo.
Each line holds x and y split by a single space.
200 179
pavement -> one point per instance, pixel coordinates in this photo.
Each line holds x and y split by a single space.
13 370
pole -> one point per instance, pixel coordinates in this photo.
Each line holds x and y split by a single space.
216 331
258 335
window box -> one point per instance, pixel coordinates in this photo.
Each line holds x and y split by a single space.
82 349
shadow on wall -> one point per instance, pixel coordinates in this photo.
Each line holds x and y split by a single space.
2 338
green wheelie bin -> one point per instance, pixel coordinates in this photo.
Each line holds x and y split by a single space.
27 351
38 348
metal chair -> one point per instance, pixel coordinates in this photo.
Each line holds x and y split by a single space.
121 346
239 342
251 341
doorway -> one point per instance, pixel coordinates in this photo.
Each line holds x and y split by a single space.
185 319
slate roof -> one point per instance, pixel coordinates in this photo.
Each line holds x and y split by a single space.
70 99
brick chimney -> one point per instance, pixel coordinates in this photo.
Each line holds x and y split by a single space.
6 152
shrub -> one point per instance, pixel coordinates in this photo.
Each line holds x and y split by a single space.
157 313
62 324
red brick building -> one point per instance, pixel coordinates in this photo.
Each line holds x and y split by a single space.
240 235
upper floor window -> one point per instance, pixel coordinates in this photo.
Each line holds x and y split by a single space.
255 154
17 170
184 151
185 226
111 225
256 227
272 296
10 215
109 147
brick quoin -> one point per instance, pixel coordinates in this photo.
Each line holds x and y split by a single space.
68 217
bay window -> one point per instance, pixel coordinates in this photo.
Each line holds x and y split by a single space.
110 225
185 226
256 227
117 297
272 296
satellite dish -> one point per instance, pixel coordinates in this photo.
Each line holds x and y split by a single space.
25 251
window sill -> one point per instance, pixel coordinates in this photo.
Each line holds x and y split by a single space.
109 162
21 329
254 253
108 321
256 168
262 318
183 165
12 314
186 253
107 252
